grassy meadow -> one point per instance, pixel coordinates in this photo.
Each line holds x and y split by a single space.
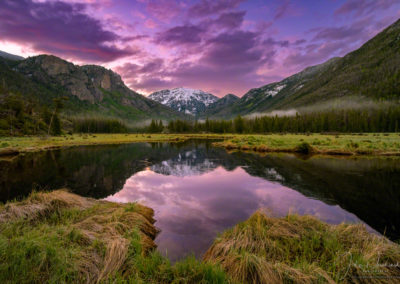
341 144
36 143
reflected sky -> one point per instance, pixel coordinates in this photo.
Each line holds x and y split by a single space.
192 206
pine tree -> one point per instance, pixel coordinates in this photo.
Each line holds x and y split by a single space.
239 124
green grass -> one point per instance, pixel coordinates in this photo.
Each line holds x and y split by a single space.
60 237
348 144
302 249
36 143
365 143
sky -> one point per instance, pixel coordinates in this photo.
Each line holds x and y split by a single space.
225 46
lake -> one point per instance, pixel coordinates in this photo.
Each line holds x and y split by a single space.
198 191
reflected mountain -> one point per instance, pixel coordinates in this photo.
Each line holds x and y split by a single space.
189 163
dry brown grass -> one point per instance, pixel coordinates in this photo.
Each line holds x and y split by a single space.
100 230
302 249
42 204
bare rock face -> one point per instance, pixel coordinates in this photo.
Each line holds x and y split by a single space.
85 82
106 82
55 66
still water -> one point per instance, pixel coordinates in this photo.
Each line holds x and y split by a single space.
198 190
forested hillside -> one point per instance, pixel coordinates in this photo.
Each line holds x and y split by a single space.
370 72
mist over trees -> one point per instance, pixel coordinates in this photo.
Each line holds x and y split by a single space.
356 120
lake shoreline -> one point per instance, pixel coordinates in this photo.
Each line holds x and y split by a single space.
67 230
16 145
362 144
312 151
371 144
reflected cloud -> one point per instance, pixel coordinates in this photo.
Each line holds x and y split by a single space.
192 209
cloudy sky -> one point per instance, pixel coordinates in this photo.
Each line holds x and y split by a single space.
225 46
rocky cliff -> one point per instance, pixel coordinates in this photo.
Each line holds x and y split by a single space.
92 88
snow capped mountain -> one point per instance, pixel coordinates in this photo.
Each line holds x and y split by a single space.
185 100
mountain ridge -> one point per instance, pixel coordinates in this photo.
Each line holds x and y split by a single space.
92 89
220 105
371 72
10 56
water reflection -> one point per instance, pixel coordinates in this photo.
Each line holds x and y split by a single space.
191 210
198 190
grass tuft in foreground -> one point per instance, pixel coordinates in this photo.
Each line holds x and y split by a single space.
60 237
302 249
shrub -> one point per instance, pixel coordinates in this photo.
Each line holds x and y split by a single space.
304 148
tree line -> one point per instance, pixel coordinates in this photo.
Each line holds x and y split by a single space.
354 120
98 125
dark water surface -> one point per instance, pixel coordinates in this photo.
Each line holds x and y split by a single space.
198 191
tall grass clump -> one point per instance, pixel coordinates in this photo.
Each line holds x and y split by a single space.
60 237
98 125
302 249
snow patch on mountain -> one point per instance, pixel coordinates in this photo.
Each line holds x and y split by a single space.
275 90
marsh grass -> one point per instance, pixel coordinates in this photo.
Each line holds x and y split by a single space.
332 144
36 143
302 249
60 237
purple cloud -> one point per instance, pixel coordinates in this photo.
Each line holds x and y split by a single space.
313 54
58 28
232 49
329 42
338 33
282 43
164 10
300 41
180 35
209 7
133 38
357 31
282 10
363 7
230 20
150 67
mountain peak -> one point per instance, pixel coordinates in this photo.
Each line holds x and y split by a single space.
230 96
187 100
